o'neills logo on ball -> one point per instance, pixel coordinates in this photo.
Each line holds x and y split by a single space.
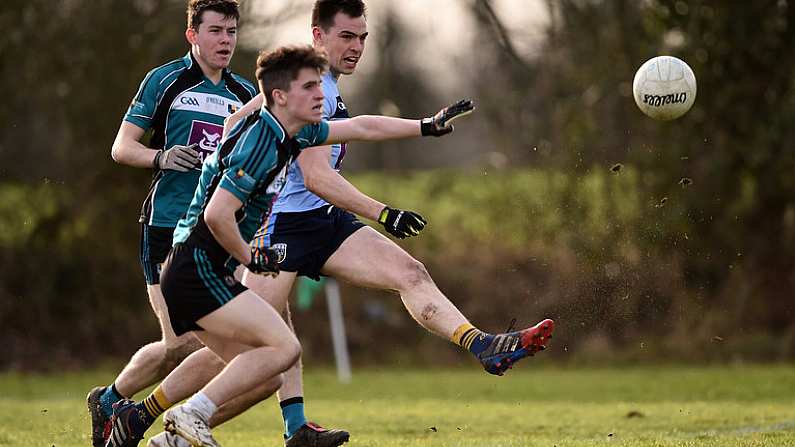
661 100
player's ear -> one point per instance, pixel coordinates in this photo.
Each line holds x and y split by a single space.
317 36
279 97
190 35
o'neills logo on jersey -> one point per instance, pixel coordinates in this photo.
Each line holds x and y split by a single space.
207 136
206 103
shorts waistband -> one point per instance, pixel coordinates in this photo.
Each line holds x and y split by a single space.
322 210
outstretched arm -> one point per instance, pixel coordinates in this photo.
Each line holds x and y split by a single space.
379 128
372 128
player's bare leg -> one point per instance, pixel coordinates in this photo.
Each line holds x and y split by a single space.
276 292
195 372
369 259
298 430
154 361
249 321
258 346
203 365
150 364
246 320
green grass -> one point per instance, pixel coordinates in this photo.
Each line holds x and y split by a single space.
715 406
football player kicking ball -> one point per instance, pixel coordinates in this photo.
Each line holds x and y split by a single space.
323 239
236 189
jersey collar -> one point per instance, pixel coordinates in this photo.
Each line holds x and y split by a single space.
193 65
273 123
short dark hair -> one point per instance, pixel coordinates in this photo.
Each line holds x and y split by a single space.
276 69
324 11
196 9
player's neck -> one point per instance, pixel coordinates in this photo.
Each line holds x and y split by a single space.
214 75
334 73
291 124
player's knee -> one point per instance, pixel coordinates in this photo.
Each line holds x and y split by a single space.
292 352
414 274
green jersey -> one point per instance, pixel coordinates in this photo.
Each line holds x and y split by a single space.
252 165
182 107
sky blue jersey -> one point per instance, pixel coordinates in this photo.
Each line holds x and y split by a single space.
252 165
295 197
182 106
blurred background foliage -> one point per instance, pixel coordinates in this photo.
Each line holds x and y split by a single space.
647 241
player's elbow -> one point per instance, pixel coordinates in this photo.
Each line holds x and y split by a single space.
314 178
310 181
214 219
116 152
119 152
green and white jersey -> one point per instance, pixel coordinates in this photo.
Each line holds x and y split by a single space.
181 106
252 165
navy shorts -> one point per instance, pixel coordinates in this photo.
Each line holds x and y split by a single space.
309 237
154 247
194 285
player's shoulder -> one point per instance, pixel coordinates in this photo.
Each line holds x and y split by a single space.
167 72
250 133
249 145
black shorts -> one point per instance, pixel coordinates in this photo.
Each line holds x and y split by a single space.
155 245
195 285
311 237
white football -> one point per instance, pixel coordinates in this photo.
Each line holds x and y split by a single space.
664 88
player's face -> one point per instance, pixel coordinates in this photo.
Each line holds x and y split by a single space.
344 42
305 97
215 40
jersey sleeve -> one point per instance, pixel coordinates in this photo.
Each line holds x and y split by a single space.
142 107
313 135
240 173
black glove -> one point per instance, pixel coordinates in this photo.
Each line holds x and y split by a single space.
178 158
265 260
400 223
439 124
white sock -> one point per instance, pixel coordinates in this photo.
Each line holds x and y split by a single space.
202 405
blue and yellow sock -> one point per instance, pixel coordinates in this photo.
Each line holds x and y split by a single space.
109 397
154 404
471 338
293 414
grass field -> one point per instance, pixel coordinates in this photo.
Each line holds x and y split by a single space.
670 406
